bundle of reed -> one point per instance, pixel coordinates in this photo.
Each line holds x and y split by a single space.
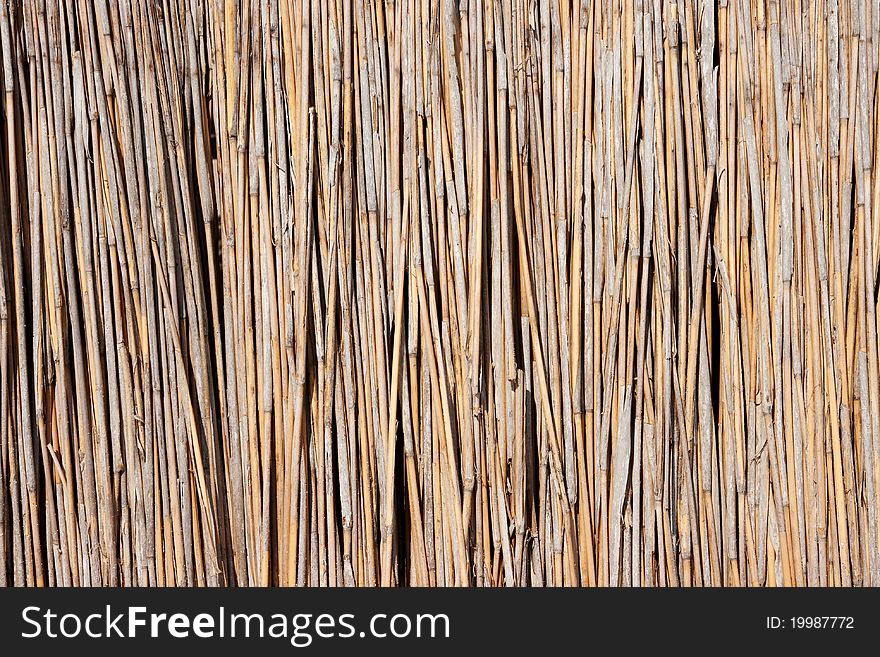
442 292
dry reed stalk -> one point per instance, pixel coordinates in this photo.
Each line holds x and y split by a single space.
499 292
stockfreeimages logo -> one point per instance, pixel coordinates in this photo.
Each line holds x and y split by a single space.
299 629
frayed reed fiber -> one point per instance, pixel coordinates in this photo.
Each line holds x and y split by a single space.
439 292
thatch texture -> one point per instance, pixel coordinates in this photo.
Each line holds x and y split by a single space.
439 292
